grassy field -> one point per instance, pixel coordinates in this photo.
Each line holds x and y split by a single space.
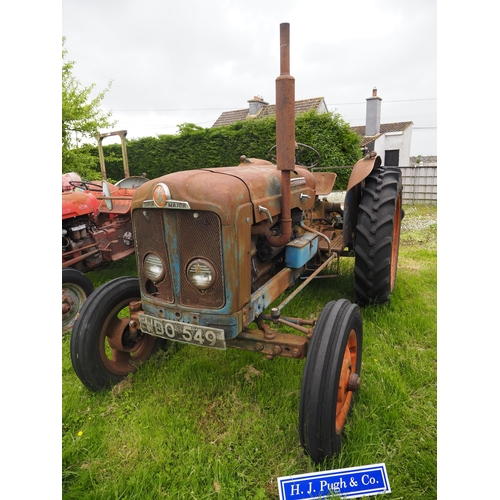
205 424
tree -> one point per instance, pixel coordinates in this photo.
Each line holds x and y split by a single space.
81 118
188 128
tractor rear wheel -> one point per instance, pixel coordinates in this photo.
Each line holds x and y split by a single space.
378 230
76 287
331 377
103 351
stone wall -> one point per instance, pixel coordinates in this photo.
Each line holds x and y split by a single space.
424 161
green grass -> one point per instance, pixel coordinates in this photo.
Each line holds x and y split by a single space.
200 424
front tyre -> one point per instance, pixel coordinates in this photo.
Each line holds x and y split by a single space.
331 377
103 351
378 230
76 287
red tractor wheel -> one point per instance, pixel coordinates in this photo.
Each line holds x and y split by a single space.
331 378
76 287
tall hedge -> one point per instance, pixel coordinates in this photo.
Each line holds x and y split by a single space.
196 147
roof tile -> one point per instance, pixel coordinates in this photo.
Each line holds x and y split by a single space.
384 129
229 117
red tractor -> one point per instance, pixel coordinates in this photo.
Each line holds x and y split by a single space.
216 247
96 228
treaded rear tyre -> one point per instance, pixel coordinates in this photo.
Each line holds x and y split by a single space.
378 230
102 350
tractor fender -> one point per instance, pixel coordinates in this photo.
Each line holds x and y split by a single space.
76 203
363 168
360 172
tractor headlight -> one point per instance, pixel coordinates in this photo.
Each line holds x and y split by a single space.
201 274
153 267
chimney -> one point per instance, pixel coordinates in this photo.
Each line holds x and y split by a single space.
255 105
373 105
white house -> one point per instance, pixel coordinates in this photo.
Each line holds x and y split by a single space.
391 141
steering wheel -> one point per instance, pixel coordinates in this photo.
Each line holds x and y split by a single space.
86 185
305 156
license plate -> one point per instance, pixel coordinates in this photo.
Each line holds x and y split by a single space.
183 332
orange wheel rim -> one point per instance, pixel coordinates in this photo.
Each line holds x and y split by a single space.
344 395
395 242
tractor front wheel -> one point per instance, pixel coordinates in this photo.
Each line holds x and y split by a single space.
378 229
76 287
331 378
103 350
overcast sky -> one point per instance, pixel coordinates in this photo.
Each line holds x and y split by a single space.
175 62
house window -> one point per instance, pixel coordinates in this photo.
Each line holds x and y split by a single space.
391 158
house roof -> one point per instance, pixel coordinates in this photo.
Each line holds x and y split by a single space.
229 117
318 103
384 129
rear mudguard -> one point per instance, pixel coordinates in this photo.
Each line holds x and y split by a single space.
360 172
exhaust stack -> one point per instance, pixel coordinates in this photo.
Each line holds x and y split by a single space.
285 134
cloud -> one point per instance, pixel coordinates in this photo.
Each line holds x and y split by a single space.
189 61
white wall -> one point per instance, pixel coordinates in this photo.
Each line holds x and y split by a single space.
380 147
392 140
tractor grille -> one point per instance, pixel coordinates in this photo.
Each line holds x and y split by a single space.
149 236
200 236
178 237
